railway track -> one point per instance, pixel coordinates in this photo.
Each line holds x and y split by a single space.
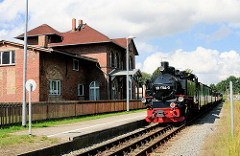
144 142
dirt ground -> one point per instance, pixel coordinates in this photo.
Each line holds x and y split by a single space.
35 144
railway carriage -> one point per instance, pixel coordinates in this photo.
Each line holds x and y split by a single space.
174 96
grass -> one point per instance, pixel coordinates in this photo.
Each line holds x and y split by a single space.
221 142
6 138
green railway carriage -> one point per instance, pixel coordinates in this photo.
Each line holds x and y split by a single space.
206 95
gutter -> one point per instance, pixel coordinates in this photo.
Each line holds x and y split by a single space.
76 56
107 80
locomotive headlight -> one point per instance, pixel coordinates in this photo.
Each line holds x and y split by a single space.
144 100
161 68
172 105
180 99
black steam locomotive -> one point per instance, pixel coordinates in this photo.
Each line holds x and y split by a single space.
173 95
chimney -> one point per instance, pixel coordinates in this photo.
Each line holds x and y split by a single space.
80 22
73 24
43 41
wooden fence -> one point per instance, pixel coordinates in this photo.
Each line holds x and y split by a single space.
11 113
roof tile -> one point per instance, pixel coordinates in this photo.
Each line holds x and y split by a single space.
43 29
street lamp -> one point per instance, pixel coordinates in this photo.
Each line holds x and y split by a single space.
127 60
25 69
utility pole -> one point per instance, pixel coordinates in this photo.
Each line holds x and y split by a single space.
24 120
127 65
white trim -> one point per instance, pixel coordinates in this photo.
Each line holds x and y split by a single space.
57 90
10 58
94 90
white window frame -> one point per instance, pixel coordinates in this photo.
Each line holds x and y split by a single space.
95 87
79 86
74 62
11 62
56 91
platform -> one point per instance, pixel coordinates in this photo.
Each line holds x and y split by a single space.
67 132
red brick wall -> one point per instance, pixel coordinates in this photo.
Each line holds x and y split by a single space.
101 53
11 77
57 66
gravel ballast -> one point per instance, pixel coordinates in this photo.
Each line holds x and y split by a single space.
190 141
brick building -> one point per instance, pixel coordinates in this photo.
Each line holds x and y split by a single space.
78 64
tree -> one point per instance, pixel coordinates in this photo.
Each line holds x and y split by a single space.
190 71
144 77
224 84
213 87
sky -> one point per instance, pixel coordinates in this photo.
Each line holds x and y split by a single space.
202 35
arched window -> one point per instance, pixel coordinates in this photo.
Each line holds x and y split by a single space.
111 59
130 62
94 91
116 60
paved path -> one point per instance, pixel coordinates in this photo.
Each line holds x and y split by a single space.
68 131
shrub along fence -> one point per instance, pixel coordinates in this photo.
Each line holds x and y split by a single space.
11 113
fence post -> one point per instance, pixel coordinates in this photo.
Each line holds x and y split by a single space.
231 98
75 109
47 112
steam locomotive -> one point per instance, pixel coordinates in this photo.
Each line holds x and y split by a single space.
174 96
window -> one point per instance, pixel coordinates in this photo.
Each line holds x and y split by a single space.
54 87
130 62
111 59
94 91
7 58
75 65
80 90
114 90
116 60
130 88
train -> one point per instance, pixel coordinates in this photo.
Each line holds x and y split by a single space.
173 96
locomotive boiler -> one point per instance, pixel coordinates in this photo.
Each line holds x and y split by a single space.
173 95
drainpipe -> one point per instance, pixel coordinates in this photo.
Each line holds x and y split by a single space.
108 95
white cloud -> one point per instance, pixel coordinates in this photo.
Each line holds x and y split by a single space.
143 19
219 34
145 47
209 65
138 66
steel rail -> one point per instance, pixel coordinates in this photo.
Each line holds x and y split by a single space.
161 141
107 146
140 142
124 150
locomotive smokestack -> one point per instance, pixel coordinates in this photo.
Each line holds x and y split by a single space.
165 65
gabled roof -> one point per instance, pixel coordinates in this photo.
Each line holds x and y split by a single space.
43 29
123 42
85 35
